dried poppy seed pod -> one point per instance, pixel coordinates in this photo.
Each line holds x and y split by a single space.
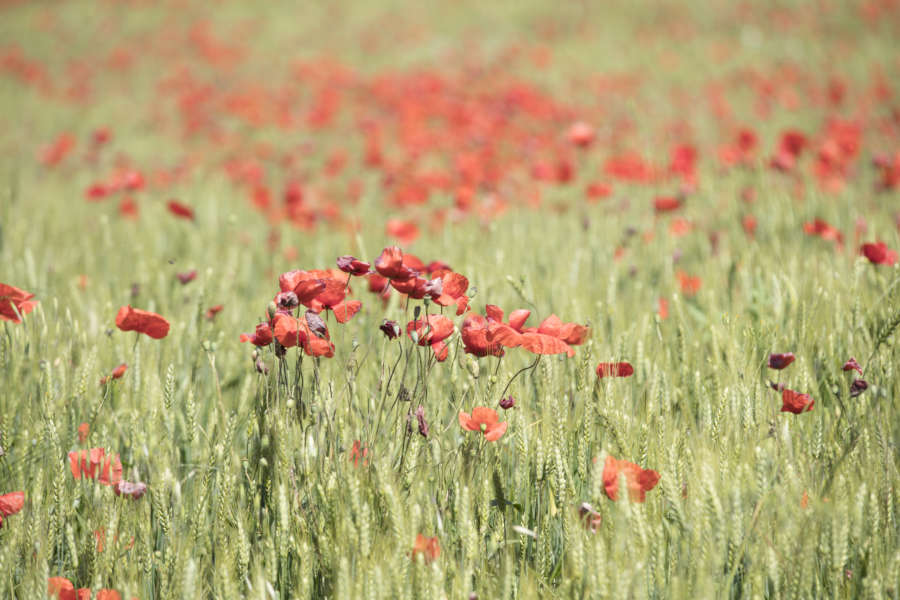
507 403
287 300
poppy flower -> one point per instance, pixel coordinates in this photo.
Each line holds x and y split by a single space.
474 332
431 331
485 420
187 276
359 452
344 311
14 302
827 232
10 504
573 334
507 403
852 365
212 311
128 208
415 287
451 290
84 430
581 134
131 490
662 204
262 336
662 308
390 329
427 547
639 481
352 265
858 387
780 361
689 284
182 211
142 321
617 369
517 317
795 402
85 463
62 589
117 373
108 595
390 264
879 254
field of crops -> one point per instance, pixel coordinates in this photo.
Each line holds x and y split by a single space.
476 300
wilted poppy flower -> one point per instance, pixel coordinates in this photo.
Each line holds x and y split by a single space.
130 490
142 321
616 369
795 402
10 504
780 361
187 276
639 481
84 430
180 210
852 365
352 265
85 463
14 302
390 328
427 547
344 311
474 332
879 254
507 403
858 387
117 373
485 420
262 336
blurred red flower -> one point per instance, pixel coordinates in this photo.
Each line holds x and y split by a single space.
484 420
15 302
142 321
639 481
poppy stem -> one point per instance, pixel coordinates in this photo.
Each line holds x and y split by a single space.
519 372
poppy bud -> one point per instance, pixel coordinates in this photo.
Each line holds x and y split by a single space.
507 403
423 425
390 328
858 387
287 300
261 367
416 312
271 310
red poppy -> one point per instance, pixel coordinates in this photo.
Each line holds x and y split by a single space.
427 547
212 311
780 361
666 203
85 463
689 284
344 311
616 369
359 452
597 190
84 430
352 265
390 264
15 302
180 210
879 254
451 289
142 321
852 365
820 228
187 276
639 481
474 332
62 589
404 232
117 373
431 331
663 308
262 336
484 420
795 402
581 134
414 287
128 208
108 595
10 504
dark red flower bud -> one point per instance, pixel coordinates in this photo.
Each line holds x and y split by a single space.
507 403
390 328
858 387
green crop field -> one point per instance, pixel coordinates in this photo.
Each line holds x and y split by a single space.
476 300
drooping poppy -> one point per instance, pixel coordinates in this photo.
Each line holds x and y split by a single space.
484 420
780 361
10 504
15 302
879 254
852 365
639 481
142 321
352 265
795 402
614 369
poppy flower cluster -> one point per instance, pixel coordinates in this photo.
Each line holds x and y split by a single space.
485 421
879 254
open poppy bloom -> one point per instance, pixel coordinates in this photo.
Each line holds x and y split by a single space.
212 311
616 369
450 289
10 504
427 547
352 265
62 589
879 254
689 284
14 302
85 463
84 430
639 481
186 277
795 402
262 336
780 361
485 420
474 332
390 264
142 321
431 331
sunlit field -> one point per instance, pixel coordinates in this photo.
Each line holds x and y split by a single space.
449 300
